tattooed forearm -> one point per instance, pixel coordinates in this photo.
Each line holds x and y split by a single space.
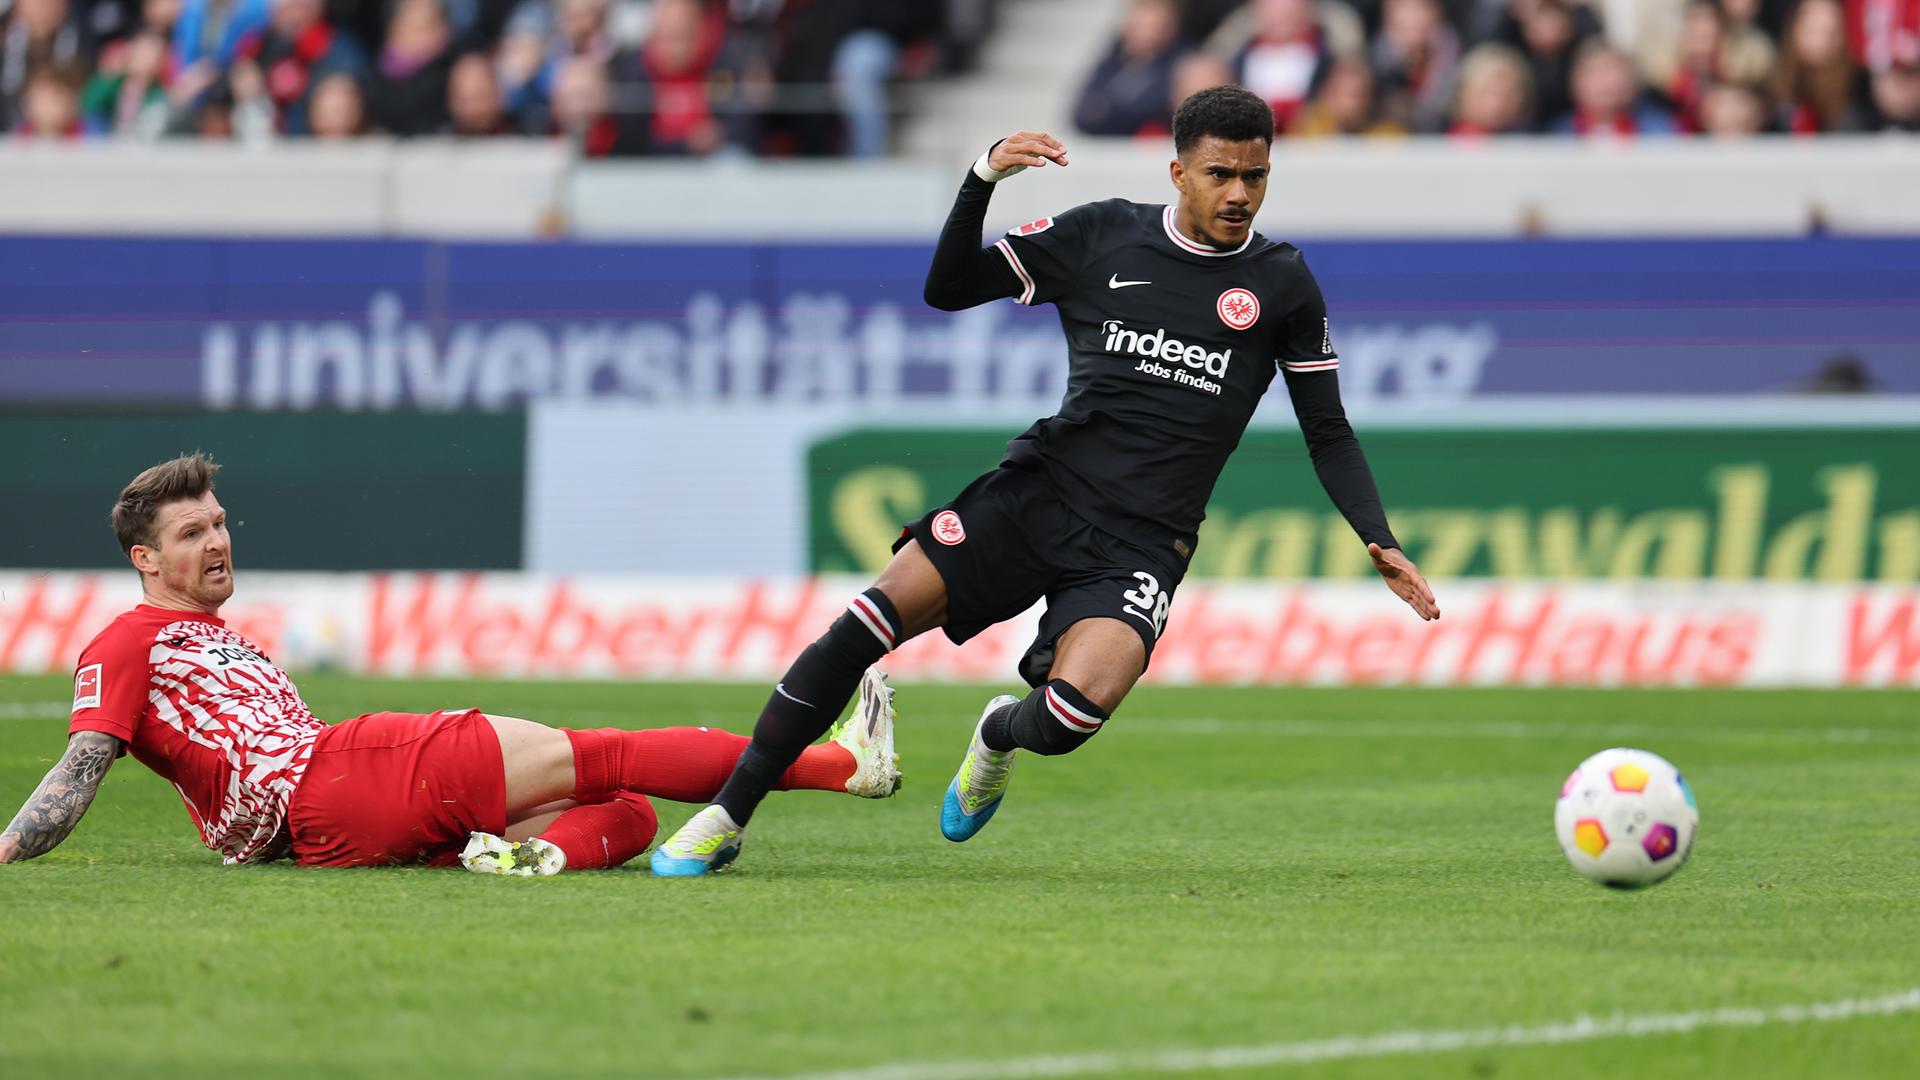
61 798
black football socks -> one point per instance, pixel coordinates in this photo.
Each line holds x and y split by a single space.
1054 719
809 698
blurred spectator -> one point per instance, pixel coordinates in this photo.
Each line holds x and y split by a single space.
408 92
1413 63
1709 48
161 15
1696 64
1195 72
1607 99
1128 90
1493 94
474 104
1340 22
38 34
852 48
1550 33
338 108
207 114
298 48
208 32
674 71
863 64
255 120
50 104
1883 33
1285 57
540 37
1344 105
1732 110
581 108
1896 97
1818 85
128 95
1712 47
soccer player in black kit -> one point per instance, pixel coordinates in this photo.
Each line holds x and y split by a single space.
1177 319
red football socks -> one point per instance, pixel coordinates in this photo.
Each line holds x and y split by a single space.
602 835
686 764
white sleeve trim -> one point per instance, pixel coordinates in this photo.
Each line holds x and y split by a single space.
1311 365
1026 279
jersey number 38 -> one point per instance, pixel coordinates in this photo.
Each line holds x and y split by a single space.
1147 602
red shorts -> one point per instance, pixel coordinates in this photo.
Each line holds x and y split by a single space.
392 788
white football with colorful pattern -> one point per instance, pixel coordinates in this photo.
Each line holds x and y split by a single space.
1626 818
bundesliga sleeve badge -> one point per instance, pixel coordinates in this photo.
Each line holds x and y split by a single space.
1238 308
86 688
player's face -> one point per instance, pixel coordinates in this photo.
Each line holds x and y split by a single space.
193 562
1222 185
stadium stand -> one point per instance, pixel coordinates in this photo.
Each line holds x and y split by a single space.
657 77
824 77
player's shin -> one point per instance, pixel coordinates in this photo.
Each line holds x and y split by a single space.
809 698
687 764
1054 719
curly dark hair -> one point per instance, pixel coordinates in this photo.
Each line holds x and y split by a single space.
1233 113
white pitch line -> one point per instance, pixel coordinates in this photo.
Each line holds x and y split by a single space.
1391 729
34 710
1579 1029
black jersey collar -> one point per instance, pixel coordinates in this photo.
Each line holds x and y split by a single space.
1180 241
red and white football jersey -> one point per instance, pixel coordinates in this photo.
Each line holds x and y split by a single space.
206 709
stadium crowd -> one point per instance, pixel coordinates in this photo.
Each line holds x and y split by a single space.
811 77
784 77
1473 69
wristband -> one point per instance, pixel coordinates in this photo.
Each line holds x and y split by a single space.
990 174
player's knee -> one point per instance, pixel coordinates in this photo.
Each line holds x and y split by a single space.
1056 719
646 821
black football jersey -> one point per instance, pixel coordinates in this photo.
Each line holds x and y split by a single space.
1170 345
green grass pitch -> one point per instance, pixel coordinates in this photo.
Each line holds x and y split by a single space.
1221 868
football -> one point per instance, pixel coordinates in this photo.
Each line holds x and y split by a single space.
1626 818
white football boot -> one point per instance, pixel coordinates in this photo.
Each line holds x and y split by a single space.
489 854
867 733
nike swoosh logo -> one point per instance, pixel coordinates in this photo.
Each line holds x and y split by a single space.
781 689
1114 282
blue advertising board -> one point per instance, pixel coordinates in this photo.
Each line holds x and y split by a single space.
409 324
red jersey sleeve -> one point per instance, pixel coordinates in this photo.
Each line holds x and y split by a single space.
110 685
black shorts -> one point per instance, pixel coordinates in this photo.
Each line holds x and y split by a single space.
1008 540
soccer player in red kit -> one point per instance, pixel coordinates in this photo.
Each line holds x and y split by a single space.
263 779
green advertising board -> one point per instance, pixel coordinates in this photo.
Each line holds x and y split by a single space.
1813 504
303 491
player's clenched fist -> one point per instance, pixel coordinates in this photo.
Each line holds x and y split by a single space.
1024 149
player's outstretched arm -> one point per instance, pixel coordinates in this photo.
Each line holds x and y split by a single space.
1343 471
963 273
58 803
